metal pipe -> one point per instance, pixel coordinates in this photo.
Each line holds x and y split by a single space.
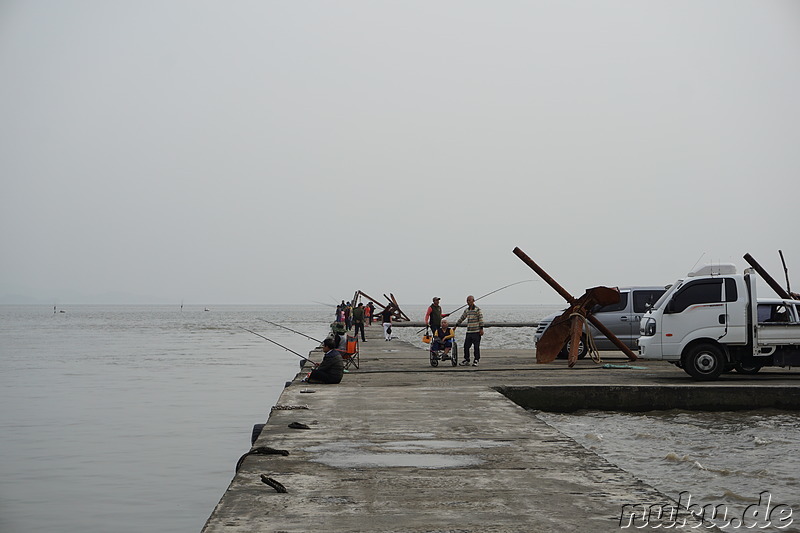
545 276
371 299
785 272
780 291
613 338
572 301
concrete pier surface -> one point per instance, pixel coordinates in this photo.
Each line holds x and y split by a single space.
486 324
402 446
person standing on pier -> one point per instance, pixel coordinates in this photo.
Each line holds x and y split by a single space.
358 321
331 369
434 316
348 315
386 317
369 310
474 317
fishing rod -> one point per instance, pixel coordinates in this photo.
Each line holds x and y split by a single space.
290 329
484 296
785 272
281 345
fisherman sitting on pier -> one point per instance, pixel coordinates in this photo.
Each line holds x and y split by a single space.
443 339
331 369
338 329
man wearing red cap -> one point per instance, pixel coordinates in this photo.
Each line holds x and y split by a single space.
434 316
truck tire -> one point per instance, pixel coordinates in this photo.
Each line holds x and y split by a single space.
704 362
583 349
748 369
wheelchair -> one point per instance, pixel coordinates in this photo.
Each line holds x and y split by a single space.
437 353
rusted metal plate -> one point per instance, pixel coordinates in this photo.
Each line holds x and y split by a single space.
557 335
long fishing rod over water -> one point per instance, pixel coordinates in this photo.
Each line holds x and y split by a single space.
484 296
290 329
490 293
281 345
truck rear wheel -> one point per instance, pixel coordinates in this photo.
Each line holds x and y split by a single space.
704 362
747 368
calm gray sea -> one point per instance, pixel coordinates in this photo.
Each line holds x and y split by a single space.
132 418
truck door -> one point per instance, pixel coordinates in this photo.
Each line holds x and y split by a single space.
696 310
735 313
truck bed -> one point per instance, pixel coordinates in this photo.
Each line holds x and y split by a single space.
778 333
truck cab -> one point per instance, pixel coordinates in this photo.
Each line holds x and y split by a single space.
707 323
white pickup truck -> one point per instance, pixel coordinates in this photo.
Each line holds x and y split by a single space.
707 324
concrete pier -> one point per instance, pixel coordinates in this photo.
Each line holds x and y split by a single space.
487 324
402 446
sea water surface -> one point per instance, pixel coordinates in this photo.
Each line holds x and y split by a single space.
737 461
132 418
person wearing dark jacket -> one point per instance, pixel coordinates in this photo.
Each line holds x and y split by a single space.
369 311
434 315
386 316
358 321
331 369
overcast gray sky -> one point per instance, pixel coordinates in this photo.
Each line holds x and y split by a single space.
277 152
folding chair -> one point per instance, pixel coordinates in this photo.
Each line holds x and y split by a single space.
350 352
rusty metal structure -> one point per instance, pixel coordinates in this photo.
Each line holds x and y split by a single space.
780 291
569 326
397 314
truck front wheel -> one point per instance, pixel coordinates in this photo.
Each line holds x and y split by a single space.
704 362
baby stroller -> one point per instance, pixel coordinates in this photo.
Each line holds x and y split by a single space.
437 351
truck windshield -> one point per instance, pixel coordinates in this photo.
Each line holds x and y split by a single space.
667 295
